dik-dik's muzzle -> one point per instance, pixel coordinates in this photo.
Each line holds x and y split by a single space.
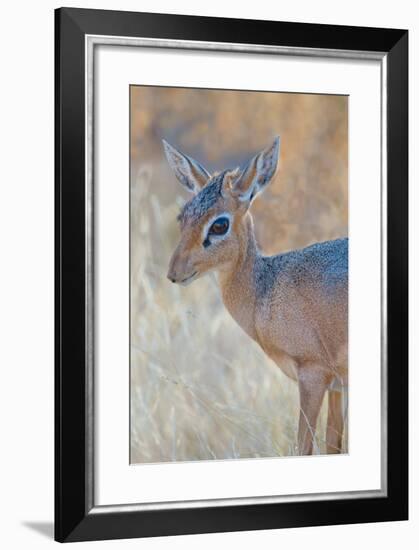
179 269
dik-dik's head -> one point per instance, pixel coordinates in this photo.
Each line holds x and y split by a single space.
212 222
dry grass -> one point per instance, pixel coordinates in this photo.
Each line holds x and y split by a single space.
200 388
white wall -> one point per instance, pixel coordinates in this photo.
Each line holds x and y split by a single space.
26 272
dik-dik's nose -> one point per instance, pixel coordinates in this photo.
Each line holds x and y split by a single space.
172 274
177 266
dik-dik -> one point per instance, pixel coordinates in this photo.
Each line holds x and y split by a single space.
294 304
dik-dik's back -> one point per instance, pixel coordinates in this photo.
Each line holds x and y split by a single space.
301 305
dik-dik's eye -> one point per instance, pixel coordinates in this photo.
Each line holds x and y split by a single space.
219 227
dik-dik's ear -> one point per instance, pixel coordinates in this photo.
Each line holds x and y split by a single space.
189 172
256 175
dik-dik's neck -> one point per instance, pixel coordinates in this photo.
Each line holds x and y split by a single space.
237 282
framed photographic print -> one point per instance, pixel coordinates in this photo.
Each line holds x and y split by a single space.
231 274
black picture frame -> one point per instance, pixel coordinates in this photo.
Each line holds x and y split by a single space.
75 517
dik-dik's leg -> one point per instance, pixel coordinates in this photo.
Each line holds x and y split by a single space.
334 430
312 382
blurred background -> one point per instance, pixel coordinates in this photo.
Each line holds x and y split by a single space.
200 388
